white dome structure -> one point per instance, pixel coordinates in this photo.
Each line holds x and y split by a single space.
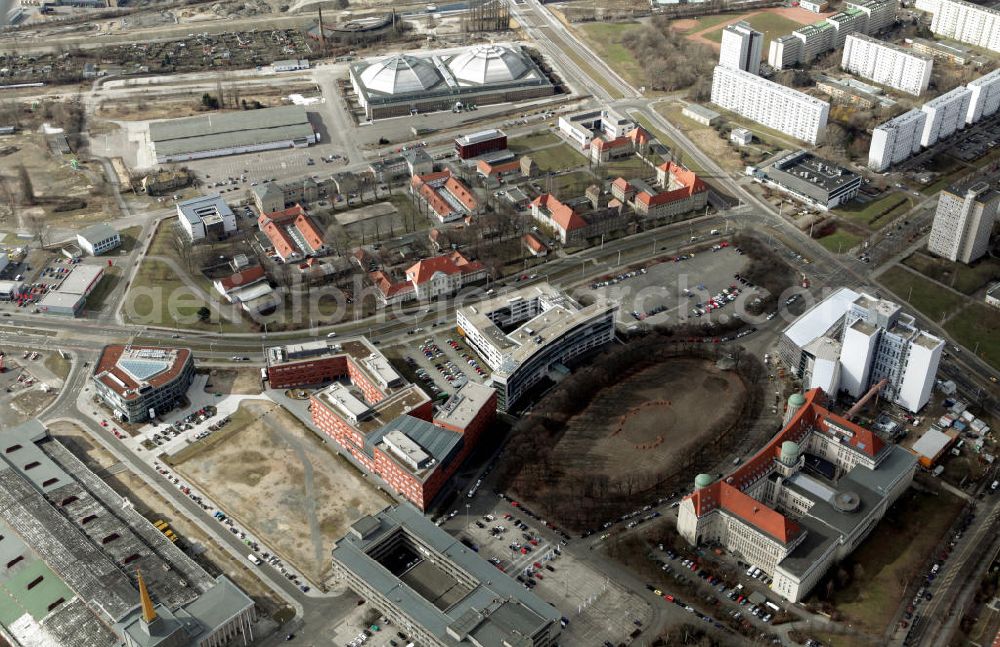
485 64
400 74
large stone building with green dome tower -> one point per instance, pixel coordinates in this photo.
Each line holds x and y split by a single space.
805 501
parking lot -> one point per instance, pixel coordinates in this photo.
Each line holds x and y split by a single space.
688 287
594 608
442 361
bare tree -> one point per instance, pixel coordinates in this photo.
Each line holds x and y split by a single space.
27 190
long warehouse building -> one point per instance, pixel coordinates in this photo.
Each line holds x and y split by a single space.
232 133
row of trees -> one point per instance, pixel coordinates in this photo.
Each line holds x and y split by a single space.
671 61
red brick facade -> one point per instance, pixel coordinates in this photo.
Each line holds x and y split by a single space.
419 492
308 371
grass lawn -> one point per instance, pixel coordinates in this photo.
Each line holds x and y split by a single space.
112 276
840 241
629 168
572 185
159 297
607 38
587 68
55 363
130 238
922 294
950 170
978 325
667 141
967 279
880 210
900 546
771 24
704 22
558 158
527 143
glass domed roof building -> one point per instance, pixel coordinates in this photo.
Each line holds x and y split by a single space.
417 83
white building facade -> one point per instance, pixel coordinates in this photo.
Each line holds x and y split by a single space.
773 105
945 115
985 99
887 64
741 48
966 23
896 140
963 222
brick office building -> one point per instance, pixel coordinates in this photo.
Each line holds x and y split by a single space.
394 433
319 362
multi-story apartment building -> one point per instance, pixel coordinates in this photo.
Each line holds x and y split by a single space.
741 48
887 64
849 21
963 221
544 328
795 523
896 140
470 603
391 431
985 99
880 13
786 110
945 115
967 23
784 51
806 43
850 341
139 382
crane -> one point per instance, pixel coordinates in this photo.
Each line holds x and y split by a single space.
865 398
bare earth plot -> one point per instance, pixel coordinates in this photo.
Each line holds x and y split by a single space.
273 475
642 423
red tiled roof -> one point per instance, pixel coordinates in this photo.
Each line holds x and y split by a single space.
430 184
728 494
534 244
622 184
565 217
387 286
453 263
617 142
273 225
691 184
640 136
487 169
247 277
455 187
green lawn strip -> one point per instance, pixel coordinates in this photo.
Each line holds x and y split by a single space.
978 329
608 39
528 143
557 158
926 296
112 276
668 141
159 297
967 279
840 241
901 544
867 213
